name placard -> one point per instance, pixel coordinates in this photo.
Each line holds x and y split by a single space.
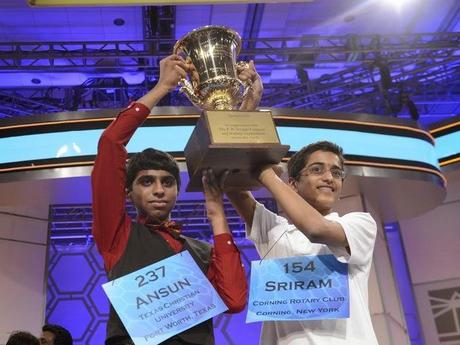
163 299
298 288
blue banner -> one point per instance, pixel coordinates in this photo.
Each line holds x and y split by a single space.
163 299
298 288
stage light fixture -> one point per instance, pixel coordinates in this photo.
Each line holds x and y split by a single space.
411 107
385 73
119 21
414 114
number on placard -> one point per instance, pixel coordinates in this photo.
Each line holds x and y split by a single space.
151 276
141 281
297 267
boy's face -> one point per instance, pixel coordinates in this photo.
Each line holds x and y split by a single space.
154 193
320 190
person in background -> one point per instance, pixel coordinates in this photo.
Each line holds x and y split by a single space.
55 335
22 338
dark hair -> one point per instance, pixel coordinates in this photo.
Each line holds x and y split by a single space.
300 158
61 335
151 159
22 338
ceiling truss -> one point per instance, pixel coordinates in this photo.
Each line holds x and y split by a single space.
377 73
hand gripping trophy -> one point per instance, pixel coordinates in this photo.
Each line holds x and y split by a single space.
224 137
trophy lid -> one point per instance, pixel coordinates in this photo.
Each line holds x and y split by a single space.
204 30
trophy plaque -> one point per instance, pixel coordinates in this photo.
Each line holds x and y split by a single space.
224 138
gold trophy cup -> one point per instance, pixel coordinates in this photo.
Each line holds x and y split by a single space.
224 138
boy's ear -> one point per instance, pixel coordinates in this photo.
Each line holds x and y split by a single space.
292 182
128 194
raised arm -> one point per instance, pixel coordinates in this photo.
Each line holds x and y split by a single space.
226 271
244 203
110 221
304 216
172 69
254 96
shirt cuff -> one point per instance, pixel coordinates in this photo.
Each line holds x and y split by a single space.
224 243
136 108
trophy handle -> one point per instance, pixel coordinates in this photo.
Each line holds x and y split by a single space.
187 88
241 65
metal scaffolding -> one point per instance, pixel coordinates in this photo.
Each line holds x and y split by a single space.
305 50
375 73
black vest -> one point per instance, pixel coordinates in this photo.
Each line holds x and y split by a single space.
144 248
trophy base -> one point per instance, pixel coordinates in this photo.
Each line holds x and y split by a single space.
242 161
238 141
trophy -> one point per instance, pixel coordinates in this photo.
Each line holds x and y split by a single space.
224 137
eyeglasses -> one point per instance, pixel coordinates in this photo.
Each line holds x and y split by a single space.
320 169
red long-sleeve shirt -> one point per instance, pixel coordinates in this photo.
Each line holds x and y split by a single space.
112 225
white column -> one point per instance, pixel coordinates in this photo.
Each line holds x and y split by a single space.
432 244
384 301
23 236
